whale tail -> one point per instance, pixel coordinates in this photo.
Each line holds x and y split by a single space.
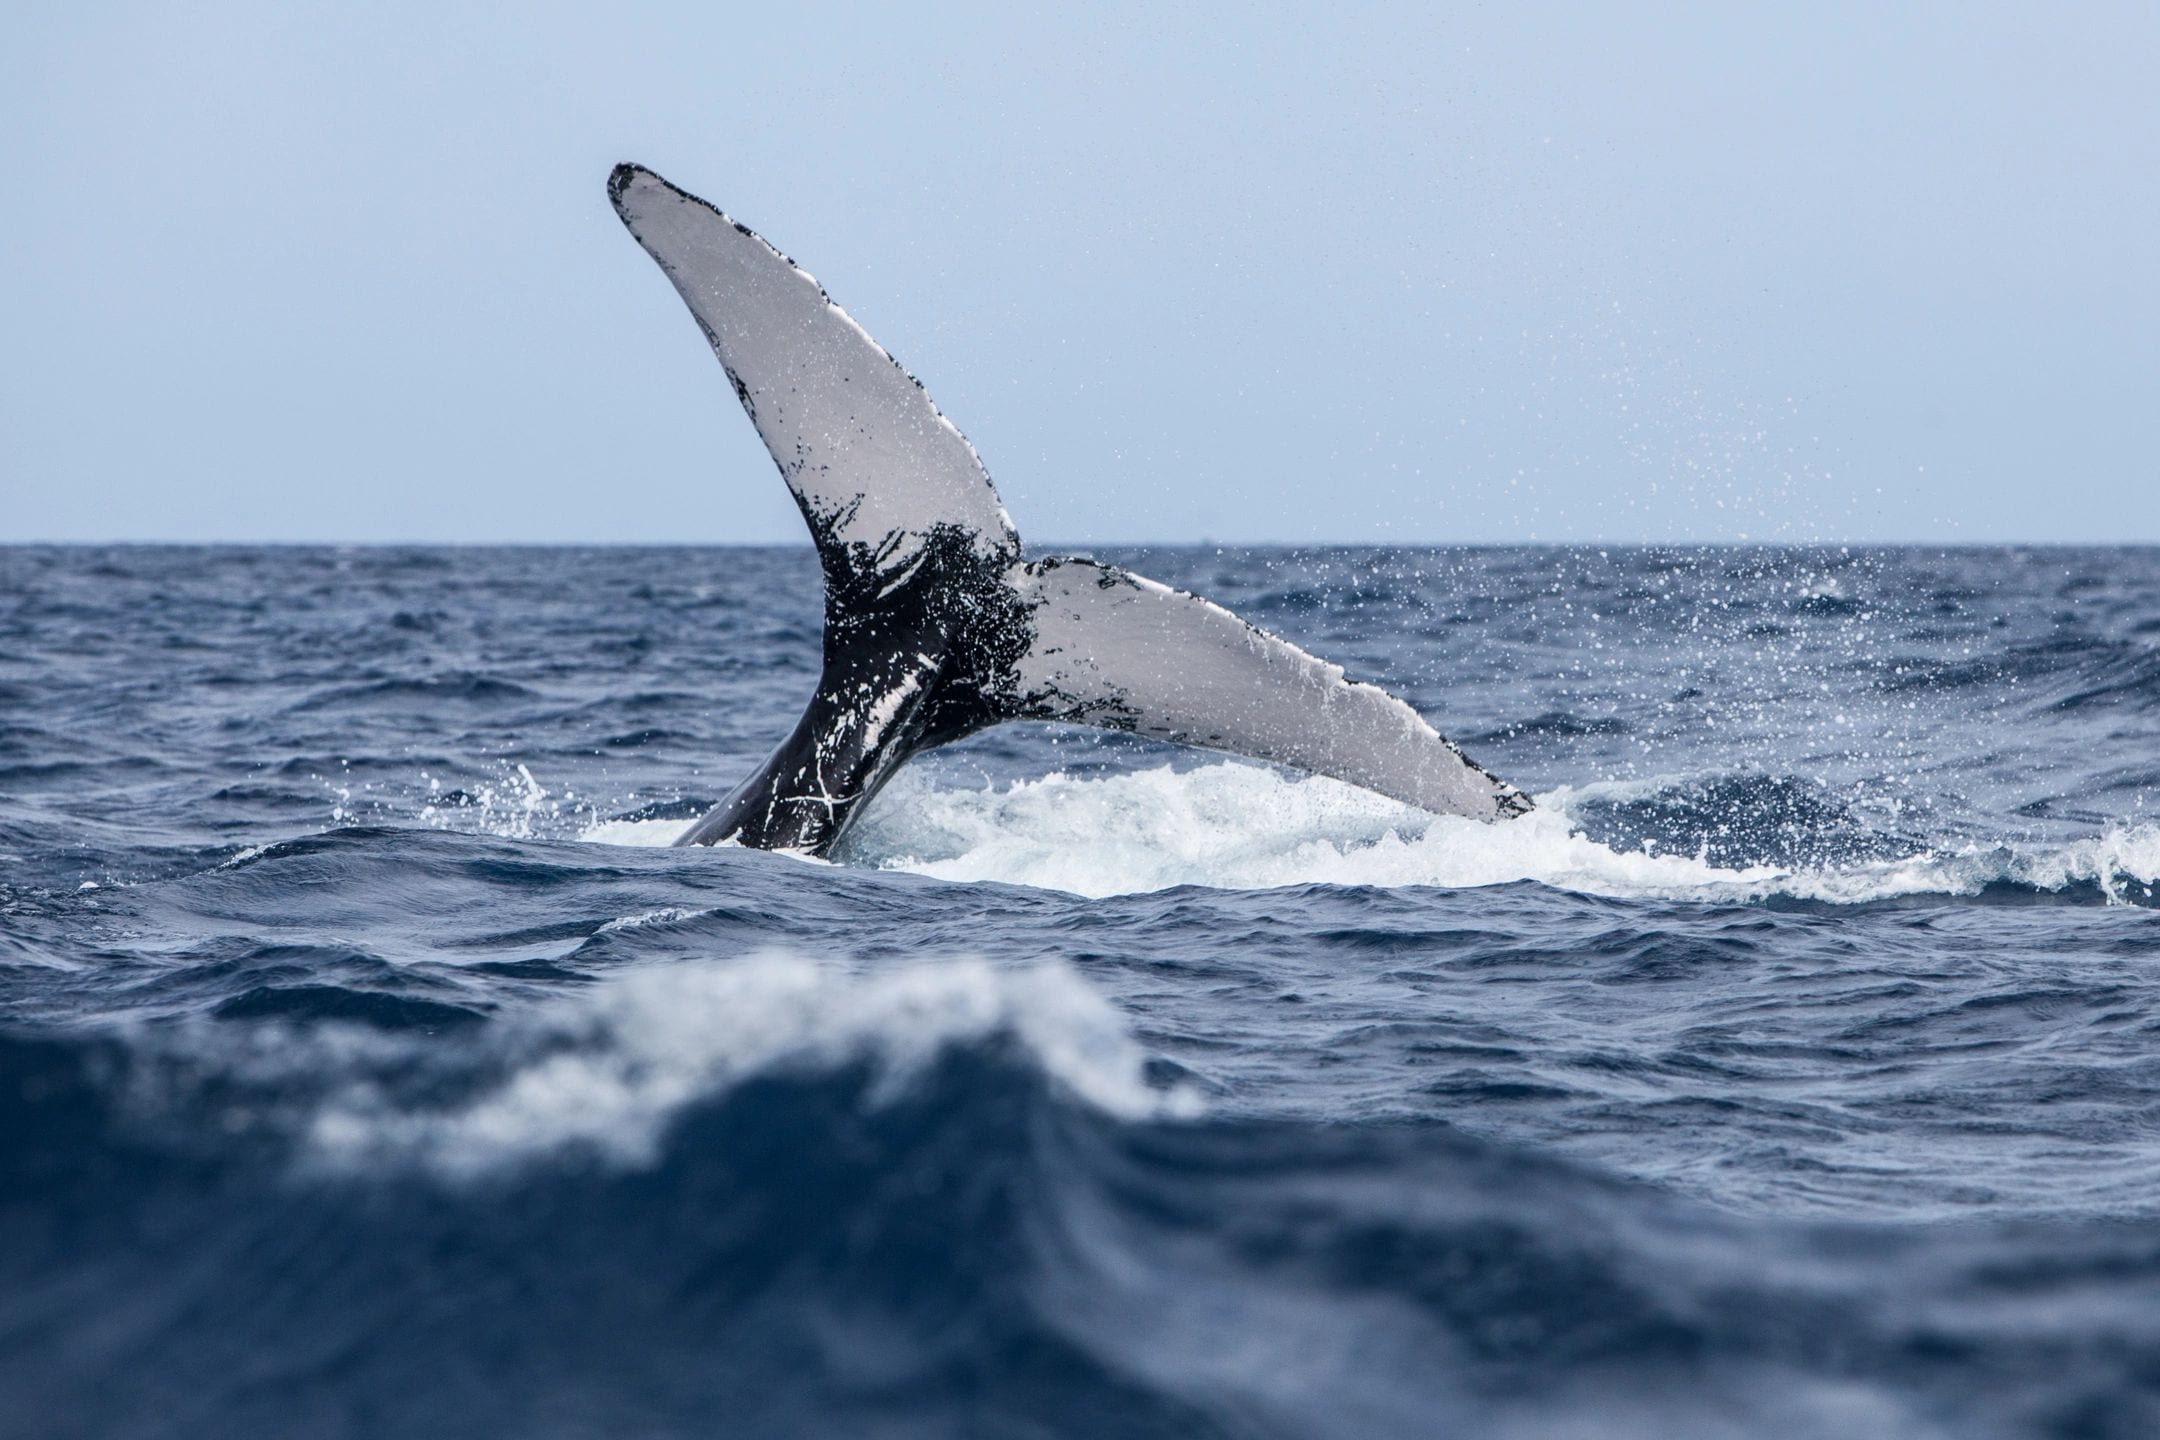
934 626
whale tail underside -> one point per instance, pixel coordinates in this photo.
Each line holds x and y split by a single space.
934 626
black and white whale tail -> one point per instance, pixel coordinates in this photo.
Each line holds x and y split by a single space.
934 625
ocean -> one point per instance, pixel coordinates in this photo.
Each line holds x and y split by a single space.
369 1066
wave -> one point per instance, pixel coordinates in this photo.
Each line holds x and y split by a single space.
1236 826
808 1250
603 1071
1241 827
427 694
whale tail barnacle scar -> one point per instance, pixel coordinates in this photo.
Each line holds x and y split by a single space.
934 625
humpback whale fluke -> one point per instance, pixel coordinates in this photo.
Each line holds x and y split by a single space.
934 625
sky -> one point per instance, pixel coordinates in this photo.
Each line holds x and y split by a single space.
1427 273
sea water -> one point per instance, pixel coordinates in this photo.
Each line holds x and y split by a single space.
369 1066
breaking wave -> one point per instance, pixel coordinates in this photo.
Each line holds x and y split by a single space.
603 1071
1242 827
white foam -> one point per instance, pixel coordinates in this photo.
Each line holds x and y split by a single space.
665 915
1236 826
606 1069
2114 860
634 832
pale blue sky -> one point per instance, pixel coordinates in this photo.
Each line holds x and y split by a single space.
1585 272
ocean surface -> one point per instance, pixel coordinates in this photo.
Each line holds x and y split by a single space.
370 1067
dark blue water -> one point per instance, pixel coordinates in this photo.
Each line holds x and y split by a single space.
368 1069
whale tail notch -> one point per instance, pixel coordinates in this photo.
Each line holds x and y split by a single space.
934 626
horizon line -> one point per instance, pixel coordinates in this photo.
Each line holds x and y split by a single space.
1962 543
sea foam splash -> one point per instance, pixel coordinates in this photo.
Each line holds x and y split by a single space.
641 833
1236 826
604 1071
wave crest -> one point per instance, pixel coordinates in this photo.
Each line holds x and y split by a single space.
605 1071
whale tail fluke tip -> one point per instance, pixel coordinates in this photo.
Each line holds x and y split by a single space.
620 177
